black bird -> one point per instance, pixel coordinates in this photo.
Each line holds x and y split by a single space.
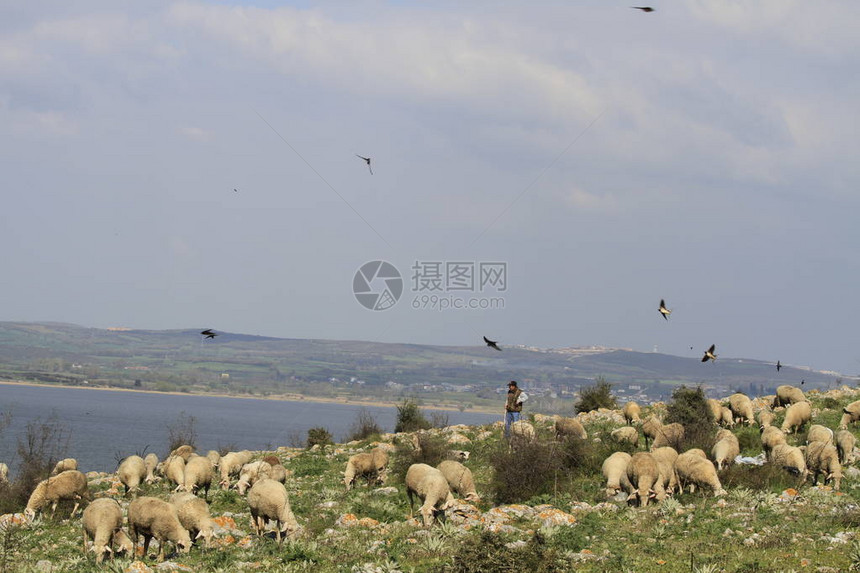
709 353
663 310
802 381
367 160
778 366
643 8
235 190
492 344
209 333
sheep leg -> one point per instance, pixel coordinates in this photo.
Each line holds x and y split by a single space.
85 541
278 530
161 544
146 540
411 504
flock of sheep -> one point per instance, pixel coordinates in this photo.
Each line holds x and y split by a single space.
653 474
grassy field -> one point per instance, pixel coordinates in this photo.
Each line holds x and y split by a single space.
534 515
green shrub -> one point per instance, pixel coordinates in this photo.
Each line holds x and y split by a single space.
689 407
487 552
410 418
829 403
319 437
431 450
597 396
525 472
365 426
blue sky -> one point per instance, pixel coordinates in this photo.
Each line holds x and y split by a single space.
704 153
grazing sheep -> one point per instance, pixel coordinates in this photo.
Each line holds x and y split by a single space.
214 458
771 437
615 471
370 465
665 458
626 435
193 514
716 410
669 435
183 452
631 412
198 474
173 468
569 427
822 458
726 449
650 427
694 470
522 431
64 466
697 452
4 473
70 484
727 419
152 517
101 520
765 417
643 475
819 433
741 407
790 459
151 462
845 441
850 414
431 487
130 472
457 455
230 465
279 472
251 473
787 395
459 479
268 500
796 416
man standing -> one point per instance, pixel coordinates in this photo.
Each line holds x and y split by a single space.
513 407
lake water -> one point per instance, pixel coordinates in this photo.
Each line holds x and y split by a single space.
106 425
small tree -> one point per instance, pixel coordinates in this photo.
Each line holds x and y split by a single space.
597 396
318 437
410 418
689 407
182 432
365 425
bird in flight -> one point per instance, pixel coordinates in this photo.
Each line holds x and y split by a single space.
663 310
366 160
209 333
643 8
492 344
709 353
235 190
778 366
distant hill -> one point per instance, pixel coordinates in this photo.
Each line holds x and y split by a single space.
182 359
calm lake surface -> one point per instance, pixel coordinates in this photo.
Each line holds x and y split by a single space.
106 425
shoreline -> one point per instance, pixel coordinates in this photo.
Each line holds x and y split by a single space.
280 397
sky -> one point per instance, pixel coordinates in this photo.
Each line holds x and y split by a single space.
193 164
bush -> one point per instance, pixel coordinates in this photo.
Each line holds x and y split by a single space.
410 418
489 552
431 450
522 473
689 407
318 437
597 396
363 427
182 432
767 477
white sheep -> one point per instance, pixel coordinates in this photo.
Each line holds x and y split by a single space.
268 500
644 476
152 517
101 521
70 485
850 414
631 412
197 474
650 427
665 457
727 419
278 471
130 472
786 395
173 468
741 407
796 416
183 452
65 465
4 473
569 427
614 469
716 409
765 417
822 458
771 436
431 487
845 442
726 449
669 435
626 435
458 455
251 473
214 458
459 479
230 465
151 463
693 470
522 432
819 433
791 459
370 465
193 514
